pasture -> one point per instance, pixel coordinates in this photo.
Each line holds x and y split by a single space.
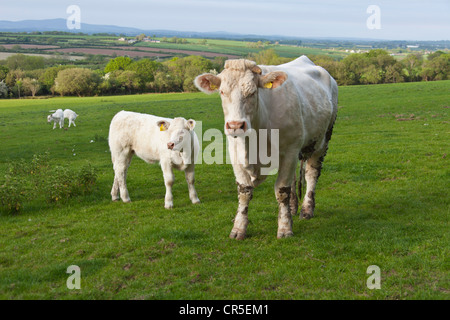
382 199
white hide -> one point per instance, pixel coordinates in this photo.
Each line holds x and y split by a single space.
171 142
299 99
71 115
56 117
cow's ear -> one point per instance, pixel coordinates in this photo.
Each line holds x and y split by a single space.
207 83
272 80
190 124
163 125
256 70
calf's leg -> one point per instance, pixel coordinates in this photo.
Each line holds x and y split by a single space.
189 174
169 179
121 164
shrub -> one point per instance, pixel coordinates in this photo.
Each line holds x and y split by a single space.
39 180
79 81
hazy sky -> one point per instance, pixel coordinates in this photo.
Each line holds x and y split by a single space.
399 19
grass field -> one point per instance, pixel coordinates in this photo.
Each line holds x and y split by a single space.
382 199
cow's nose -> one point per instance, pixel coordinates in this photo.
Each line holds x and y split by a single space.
170 145
235 125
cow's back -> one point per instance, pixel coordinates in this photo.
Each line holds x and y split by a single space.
306 104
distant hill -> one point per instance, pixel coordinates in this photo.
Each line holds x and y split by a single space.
86 28
60 25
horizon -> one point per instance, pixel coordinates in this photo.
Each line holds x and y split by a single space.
402 20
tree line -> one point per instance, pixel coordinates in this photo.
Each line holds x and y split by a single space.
22 75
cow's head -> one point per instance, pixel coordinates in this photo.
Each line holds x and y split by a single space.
238 85
179 133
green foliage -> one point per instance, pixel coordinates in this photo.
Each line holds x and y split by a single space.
268 57
119 63
3 72
79 81
184 71
437 68
40 180
47 79
145 69
24 62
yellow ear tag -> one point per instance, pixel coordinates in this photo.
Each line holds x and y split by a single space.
212 86
268 85
162 128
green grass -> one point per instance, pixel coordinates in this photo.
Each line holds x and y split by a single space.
239 48
382 199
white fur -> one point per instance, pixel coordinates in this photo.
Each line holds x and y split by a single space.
71 115
56 117
140 134
297 98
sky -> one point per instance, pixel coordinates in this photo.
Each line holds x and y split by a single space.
392 20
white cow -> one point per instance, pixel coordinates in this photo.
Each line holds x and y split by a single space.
171 142
56 117
71 115
297 98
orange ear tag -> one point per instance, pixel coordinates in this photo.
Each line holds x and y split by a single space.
268 85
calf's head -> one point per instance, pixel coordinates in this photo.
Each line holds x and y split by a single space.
238 85
179 133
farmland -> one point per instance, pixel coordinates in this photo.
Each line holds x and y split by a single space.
80 45
381 200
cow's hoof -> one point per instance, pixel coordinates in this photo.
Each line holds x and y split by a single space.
306 215
284 234
168 206
195 201
237 234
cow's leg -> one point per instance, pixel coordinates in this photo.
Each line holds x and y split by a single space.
245 194
169 179
121 164
293 202
312 173
283 189
189 174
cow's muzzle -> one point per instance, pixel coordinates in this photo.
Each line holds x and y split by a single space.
170 145
235 128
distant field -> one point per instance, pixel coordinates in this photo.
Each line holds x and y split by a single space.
381 200
4 55
111 46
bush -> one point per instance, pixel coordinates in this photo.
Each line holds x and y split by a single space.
39 180
79 81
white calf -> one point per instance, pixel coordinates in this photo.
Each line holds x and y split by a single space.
57 116
71 115
171 142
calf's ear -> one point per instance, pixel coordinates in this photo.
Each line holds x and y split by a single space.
163 125
272 80
207 83
190 124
